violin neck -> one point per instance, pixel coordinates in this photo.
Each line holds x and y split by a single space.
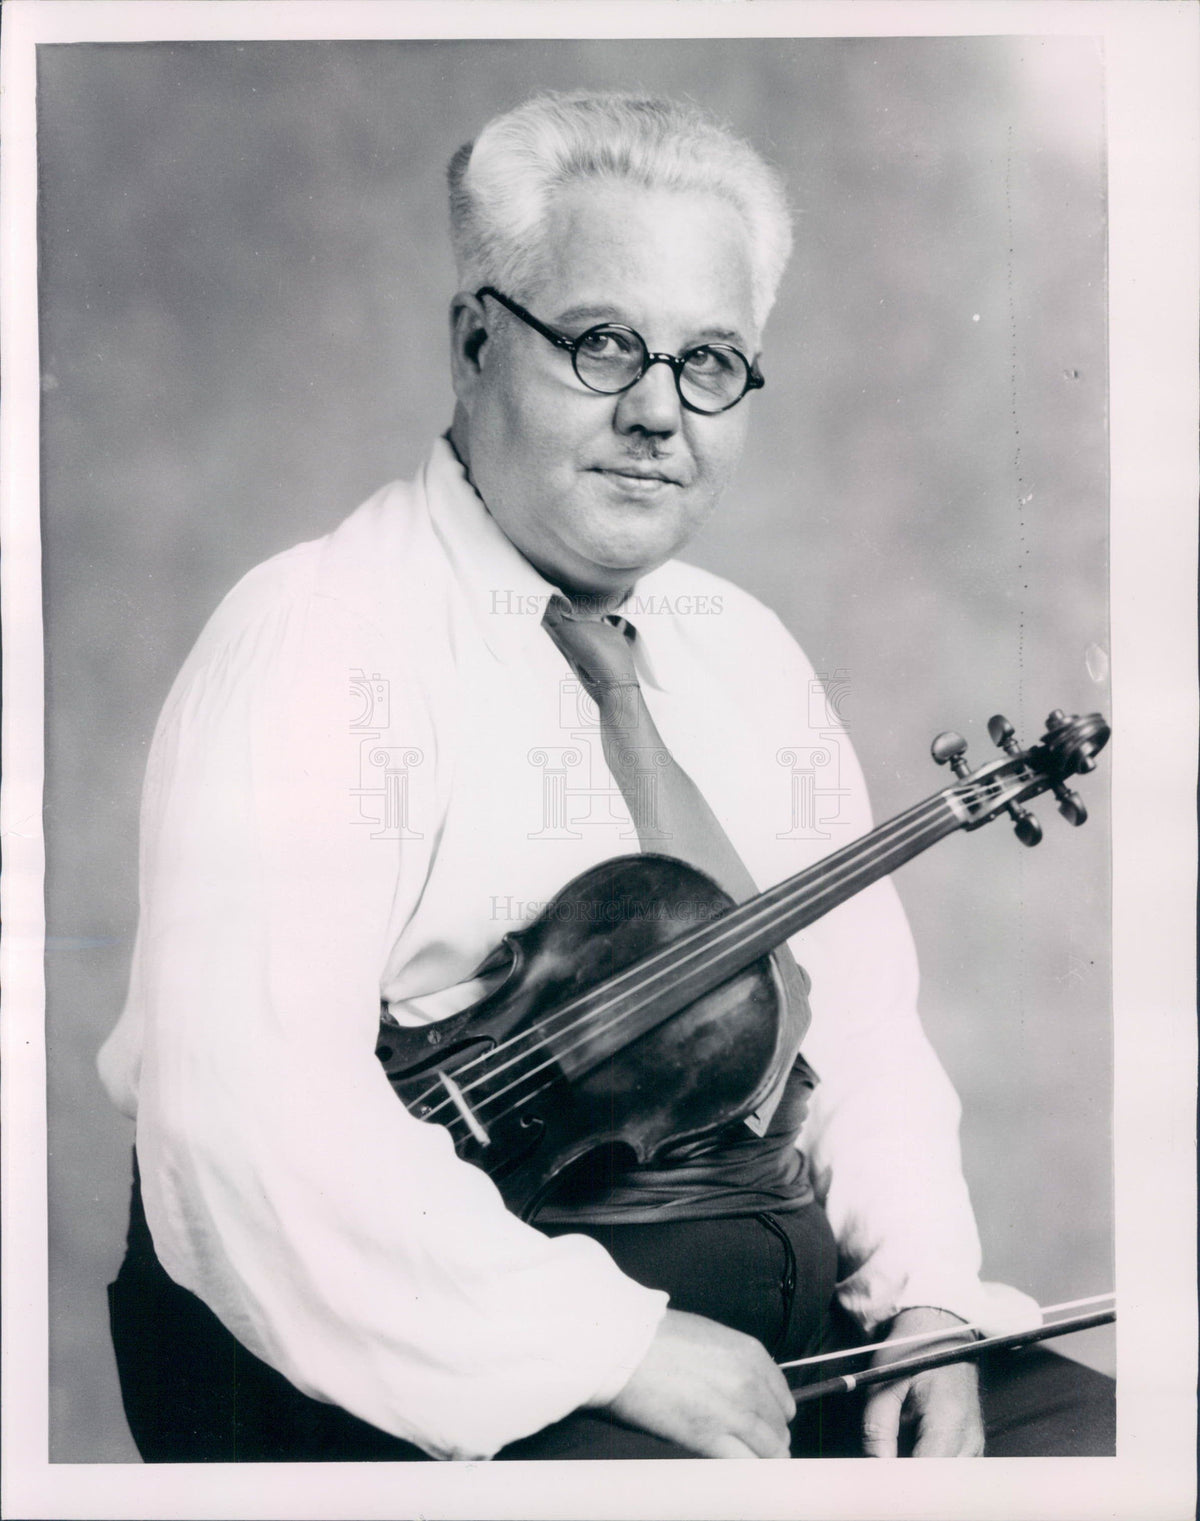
755 928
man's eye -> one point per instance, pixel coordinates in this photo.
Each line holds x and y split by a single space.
606 343
708 361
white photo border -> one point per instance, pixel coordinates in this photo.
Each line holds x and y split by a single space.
1150 48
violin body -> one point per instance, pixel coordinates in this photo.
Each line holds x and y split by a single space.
706 1067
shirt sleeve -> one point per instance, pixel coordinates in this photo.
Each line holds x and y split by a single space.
882 1129
337 1237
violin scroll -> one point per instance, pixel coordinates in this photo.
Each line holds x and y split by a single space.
1075 741
1067 748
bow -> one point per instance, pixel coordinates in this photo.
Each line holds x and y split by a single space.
844 1383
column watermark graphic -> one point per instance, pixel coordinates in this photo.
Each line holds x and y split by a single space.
557 763
383 794
816 780
579 790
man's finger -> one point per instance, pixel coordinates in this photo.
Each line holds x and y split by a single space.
763 1391
881 1422
729 1446
949 1423
939 1441
765 1439
738 1432
947 1442
953 1438
756 1419
783 1394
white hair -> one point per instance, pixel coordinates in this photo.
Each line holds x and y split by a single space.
501 185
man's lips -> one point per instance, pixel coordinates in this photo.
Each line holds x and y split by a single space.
646 473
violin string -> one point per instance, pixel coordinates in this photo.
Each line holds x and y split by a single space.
571 1019
947 1334
558 1050
615 989
544 1035
672 956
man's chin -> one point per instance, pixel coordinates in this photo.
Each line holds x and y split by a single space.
623 558
625 534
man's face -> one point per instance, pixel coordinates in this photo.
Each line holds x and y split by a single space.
593 489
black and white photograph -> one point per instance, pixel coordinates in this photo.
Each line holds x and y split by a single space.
601 865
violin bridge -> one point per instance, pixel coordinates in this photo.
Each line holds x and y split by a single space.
464 1109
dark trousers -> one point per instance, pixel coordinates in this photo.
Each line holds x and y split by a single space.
193 1393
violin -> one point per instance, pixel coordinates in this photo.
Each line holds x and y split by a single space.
642 1008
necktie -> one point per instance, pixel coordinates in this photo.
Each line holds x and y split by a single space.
669 811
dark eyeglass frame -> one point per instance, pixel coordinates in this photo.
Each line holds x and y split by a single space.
754 378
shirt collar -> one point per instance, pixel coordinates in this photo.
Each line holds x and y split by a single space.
507 595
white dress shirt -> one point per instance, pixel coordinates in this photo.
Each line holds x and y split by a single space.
374 764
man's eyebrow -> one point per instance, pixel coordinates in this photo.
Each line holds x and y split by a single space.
594 314
575 314
721 335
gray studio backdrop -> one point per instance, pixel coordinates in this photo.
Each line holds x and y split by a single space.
245 276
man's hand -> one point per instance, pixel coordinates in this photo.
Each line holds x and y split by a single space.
710 1389
942 1403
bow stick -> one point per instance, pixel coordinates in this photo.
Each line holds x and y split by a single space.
950 1333
844 1383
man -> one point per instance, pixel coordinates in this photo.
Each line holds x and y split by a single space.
316 1273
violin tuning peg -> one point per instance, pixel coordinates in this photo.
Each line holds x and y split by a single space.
1002 733
949 748
1025 826
1056 719
1070 805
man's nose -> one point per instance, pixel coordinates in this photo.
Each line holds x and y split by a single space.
652 404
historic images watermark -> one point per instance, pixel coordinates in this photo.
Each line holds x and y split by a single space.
683 604
616 910
383 792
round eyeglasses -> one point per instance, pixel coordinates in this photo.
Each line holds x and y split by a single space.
610 358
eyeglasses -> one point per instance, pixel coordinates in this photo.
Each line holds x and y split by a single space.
610 358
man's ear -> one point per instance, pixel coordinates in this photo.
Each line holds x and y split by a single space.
469 335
